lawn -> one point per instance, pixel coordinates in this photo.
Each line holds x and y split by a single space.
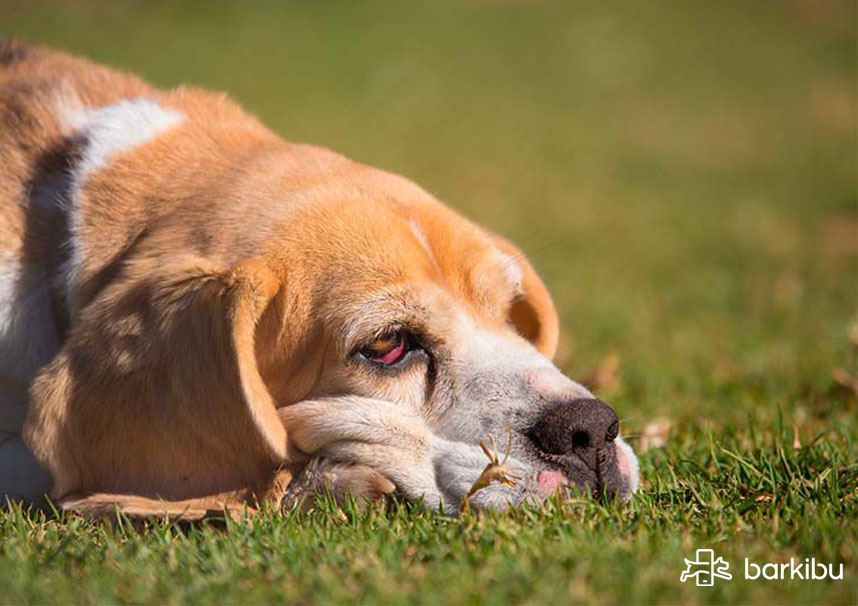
683 175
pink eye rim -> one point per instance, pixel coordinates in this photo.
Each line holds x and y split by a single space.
387 357
393 356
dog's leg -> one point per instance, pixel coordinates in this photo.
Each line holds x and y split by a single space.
340 480
232 503
393 442
373 434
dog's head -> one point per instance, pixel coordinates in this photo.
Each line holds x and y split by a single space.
434 335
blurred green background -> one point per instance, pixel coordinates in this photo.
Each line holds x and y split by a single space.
682 173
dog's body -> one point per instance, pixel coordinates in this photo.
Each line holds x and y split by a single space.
194 304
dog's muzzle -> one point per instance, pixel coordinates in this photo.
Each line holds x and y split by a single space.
577 436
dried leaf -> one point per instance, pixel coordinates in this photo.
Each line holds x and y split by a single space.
846 379
606 375
655 434
853 333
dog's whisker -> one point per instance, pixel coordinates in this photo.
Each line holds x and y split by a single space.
528 254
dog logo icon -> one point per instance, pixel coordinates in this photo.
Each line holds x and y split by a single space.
705 568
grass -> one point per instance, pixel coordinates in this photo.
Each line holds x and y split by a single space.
684 177
758 499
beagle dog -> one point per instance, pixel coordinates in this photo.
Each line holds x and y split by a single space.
195 313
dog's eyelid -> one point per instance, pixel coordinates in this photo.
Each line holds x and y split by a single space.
387 331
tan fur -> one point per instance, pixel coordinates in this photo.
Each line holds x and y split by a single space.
217 263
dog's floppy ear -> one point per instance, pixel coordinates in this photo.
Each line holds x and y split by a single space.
533 315
156 391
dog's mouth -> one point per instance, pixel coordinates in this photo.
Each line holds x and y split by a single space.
596 471
601 473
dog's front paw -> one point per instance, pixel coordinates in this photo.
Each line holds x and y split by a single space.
341 480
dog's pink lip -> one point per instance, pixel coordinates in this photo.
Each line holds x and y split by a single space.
550 481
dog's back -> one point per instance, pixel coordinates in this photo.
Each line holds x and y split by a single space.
63 227
35 156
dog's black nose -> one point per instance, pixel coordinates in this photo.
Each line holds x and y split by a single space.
578 426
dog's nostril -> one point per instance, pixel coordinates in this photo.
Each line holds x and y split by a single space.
576 426
580 439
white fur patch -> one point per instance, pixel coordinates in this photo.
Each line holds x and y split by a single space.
117 128
109 132
424 242
28 337
481 349
628 463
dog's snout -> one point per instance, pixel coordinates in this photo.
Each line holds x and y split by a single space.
576 426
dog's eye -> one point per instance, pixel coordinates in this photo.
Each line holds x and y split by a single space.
387 350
